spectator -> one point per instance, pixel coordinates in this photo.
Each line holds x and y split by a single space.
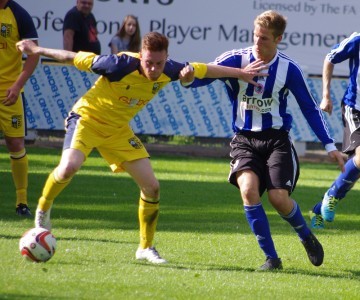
16 24
79 31
128 36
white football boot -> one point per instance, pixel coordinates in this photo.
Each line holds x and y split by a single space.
150 254
42 219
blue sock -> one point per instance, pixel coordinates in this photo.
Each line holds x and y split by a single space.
317 208
342 184
345 181
297 221
259 225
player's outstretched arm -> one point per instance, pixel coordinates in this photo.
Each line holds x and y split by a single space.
247 74
30 48
326 102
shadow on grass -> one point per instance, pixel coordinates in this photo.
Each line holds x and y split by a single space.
105 200
218 268
111 202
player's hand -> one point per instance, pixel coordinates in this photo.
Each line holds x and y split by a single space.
252 70
326 105
27 46
12 94
187 75
337 157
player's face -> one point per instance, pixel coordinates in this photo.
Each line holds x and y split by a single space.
152 63
265 44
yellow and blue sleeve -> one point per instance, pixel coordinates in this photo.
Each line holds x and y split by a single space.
200 69
84 60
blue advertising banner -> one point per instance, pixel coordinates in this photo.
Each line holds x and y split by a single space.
204 112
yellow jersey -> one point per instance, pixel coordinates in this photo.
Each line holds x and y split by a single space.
122 91
15 24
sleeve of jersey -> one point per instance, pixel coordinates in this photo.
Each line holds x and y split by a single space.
345 50
25 23
200 73
309 107
200 69
84 60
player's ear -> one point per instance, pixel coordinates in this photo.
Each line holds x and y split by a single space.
279 39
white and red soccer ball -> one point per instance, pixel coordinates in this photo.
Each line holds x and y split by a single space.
37 245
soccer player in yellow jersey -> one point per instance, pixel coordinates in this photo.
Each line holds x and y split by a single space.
16 24
100 119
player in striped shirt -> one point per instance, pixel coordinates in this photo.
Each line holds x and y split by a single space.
348 49
100 119
263 155
16 24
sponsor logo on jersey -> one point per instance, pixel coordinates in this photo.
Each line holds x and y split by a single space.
133 101
135 142
6 30
16 121
260 105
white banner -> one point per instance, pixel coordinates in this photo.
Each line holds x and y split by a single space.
200 30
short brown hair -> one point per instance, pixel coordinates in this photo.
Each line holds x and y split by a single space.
272 20
155 41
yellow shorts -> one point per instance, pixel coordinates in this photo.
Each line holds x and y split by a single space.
115 145
12 118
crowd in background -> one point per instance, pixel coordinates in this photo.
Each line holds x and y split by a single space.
80 33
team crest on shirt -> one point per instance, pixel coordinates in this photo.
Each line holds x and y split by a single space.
259 89
16 121
135 142
6 30
156 88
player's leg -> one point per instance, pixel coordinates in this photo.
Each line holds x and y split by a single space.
13 125
245 174
143 174
342 184
346 180
283 166
255 214
73 155
57 181
19 170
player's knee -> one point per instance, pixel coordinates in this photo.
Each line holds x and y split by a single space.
66 171
151 190
248 193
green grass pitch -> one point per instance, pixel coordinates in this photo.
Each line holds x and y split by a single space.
202 232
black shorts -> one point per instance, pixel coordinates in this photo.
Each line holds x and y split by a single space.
351 122
270 154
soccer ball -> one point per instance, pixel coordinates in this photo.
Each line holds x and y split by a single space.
37 245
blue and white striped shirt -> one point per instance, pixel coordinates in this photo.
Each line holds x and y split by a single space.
349 49
264 107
